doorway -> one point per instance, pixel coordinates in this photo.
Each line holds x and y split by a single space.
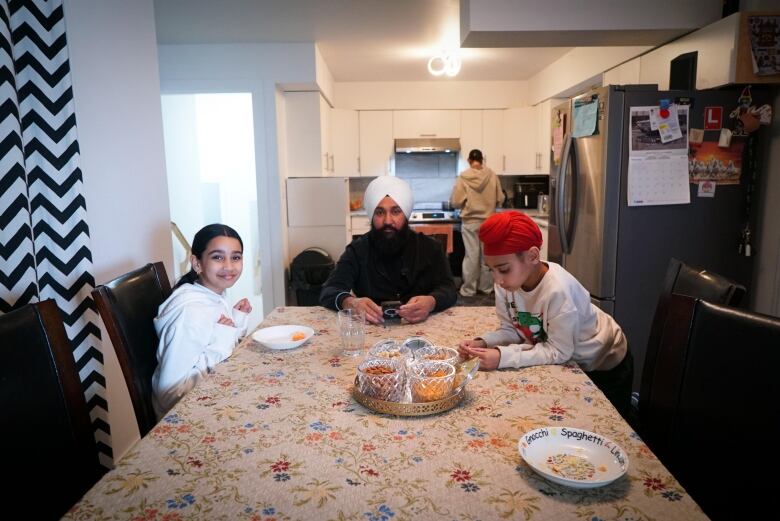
210 161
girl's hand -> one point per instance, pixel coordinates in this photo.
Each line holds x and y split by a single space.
243 305
225 321
488 357
464 348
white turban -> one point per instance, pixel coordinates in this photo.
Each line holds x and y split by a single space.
397 189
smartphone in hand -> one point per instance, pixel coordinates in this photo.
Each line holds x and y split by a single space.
390 310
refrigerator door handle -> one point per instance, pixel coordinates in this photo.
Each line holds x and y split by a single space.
560 199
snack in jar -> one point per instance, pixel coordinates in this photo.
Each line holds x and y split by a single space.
389 349
437 354
431 381
383 379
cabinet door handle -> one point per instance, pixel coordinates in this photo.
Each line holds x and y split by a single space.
427 135
332 164
325 156
358 161
503 163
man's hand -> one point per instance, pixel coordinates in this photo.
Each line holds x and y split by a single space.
369 307
464 348
488 357
243 305
417 309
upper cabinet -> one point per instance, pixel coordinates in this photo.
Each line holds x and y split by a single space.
470 135
376 142
426 123
493 139
308 135
345 141
519 141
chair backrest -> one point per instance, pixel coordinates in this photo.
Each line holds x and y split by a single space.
128 305
49 452
713 416
682 279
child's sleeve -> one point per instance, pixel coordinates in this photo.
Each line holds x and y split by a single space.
557 349
240 319
190 345
505 334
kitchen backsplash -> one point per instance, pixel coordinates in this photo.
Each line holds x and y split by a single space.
431 176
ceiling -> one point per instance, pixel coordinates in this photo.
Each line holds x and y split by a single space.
361 40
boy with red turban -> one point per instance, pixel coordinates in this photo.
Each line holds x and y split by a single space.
546 316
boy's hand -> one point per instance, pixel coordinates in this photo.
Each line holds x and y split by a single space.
243 305
488 357
464 348
225 321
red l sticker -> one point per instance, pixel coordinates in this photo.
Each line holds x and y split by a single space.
713 118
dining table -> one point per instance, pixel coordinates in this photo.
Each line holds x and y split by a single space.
277 435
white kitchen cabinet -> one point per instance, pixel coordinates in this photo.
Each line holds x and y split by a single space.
307 135
376 142
426 123
493 139
345 141
519 141
470 135
542 114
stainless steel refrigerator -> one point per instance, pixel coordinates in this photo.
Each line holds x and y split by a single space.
620 252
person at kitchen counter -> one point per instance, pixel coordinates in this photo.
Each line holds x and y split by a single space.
391 262
477 192
545 314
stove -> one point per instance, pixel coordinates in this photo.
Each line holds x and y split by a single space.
433 213
434 216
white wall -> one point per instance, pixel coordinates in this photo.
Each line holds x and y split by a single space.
260 69
716 61
442 94
113 59
577 70
624 74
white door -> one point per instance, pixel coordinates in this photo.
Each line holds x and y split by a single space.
520 141
210 162
470 135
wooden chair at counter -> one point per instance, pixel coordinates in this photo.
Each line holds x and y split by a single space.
680 279
712 417
128 305
50 456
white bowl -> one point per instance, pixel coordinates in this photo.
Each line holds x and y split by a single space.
280 337
573 457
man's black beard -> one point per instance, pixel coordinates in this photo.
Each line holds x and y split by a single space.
392 245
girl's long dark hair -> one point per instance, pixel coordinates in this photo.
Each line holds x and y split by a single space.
199 243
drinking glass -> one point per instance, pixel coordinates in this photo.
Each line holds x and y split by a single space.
352 328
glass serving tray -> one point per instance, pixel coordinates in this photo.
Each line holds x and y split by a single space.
464 373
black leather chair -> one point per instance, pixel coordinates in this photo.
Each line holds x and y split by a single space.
680 279
50 457
128 305
713 417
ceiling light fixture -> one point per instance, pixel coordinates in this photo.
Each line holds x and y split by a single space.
444 62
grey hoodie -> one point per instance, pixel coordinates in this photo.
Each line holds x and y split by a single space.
478 193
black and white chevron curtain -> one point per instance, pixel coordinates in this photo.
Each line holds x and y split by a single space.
44 238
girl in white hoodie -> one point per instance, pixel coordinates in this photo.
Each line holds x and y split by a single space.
196 326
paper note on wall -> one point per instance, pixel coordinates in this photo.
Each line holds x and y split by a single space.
657 170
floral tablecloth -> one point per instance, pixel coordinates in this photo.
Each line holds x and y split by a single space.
275 435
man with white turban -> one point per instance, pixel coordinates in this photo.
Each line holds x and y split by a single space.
391 262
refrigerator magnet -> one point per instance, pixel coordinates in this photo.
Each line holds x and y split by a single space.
695 135
706 189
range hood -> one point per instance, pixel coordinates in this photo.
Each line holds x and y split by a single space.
427 145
